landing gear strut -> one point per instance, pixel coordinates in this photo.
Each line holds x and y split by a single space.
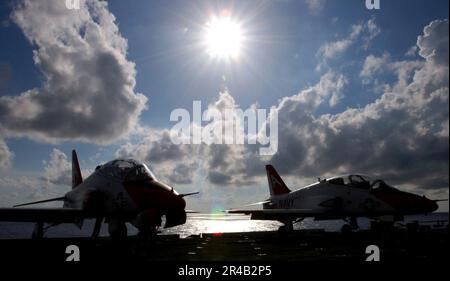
287 227
38 231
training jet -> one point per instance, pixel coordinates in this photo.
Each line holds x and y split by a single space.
345 197
120 191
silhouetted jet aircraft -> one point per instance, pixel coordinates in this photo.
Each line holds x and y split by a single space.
345 197
120 191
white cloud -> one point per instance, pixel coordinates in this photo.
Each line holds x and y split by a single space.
58 170
315 6
6 156
402 136
88 89
373 64
412 51
364 32
433 44
221 165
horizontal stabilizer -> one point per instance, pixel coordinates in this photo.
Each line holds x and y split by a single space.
188 194
259 203
42 201
439 200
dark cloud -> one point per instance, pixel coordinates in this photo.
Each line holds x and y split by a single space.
219 178
88 88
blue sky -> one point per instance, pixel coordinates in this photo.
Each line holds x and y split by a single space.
280 58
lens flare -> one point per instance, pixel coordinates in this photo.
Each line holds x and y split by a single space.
223 37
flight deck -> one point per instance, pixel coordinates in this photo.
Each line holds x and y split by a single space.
266 246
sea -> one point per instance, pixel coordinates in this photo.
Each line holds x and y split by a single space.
208 223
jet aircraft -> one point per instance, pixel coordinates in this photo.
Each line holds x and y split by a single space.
120 191
343 197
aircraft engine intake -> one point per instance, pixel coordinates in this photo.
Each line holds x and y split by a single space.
174 218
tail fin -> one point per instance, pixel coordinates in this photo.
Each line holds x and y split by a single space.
77 178
276 184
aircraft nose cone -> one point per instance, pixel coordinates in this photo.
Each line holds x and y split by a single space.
182 203
429 205
434 206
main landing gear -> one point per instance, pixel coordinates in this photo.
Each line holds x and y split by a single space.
288 226
117 230
38 231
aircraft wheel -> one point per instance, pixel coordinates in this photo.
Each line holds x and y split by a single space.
38 231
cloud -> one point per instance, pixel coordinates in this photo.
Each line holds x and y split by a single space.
433 44
373 65
87 92
412 51
6 156
222 164
315 6
54 181
402 136
173 163
58 170
363 32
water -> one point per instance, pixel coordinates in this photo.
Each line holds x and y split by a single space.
196 224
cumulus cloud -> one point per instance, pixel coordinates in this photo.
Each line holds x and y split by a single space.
402 136
58 170
315 6
363 32
6 155
54 181
374 66
87 92
171 162
433 44
222 164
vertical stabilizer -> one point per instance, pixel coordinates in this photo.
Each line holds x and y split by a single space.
77 178
276 184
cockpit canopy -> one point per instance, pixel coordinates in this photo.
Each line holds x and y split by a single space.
360 181
126 170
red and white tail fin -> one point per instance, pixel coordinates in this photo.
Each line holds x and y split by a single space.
276 184
77 178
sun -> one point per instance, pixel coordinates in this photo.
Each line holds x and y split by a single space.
223 38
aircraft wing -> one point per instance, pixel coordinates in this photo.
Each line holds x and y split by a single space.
50 215
277 214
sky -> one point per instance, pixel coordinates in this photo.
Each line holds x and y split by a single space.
355 91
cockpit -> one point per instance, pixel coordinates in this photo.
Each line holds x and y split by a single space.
361 182
126 170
